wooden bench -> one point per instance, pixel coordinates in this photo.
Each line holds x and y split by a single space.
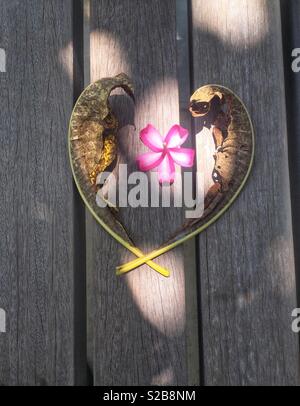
224 316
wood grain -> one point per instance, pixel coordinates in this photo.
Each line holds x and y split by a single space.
290 12
37 213
246 261
138 320
142 326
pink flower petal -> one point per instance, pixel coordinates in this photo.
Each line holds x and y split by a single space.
183 156
152 138
176 136
166 170
149 160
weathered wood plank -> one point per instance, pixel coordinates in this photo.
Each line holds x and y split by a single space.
36 206
291 41
246 264
138 320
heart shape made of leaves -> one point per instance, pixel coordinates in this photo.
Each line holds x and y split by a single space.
92 148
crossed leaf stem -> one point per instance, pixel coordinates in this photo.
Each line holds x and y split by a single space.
153 265
144 259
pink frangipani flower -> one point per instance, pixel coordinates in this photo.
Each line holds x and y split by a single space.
165 152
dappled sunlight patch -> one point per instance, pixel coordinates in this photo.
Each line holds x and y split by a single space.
117 61
65 58
246 22
161 301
